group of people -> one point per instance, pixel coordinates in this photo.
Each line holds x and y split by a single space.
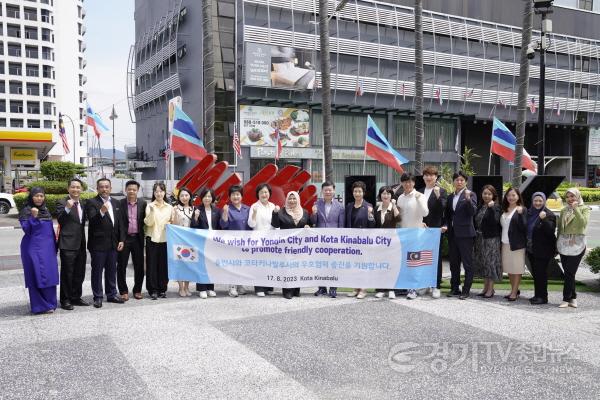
488 238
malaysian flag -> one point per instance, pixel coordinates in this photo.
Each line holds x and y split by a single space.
236 144
438 96
419 258
532 105
63 134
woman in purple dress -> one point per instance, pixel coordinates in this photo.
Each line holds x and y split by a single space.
38 253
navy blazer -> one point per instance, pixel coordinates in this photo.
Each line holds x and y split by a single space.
202 222
103 233
460 221
335 218
436 207
517 231
362 218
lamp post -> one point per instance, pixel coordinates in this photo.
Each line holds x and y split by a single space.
72 127
543 8
113 116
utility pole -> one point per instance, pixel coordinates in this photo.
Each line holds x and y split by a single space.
112 117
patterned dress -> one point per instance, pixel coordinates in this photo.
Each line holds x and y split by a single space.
487 259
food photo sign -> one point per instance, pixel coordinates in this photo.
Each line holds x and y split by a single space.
259 126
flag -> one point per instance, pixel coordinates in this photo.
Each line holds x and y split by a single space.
378 148
236 143
95 121
279 148
185 138
438 96
419 258
502 102
185 253
359 88
532 105
468 93
63 134
558 108
503 144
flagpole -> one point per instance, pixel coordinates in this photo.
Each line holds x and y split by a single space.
365 151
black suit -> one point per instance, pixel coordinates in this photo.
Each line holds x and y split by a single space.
461 237
73 254
104 234
202 223
134 245
435 219
541 250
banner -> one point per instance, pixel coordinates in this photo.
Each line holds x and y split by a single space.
358 258
259 125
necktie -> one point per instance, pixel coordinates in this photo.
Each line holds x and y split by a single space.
76 210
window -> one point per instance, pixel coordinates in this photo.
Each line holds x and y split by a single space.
47 108
47 71
3 122
3 106
587 5
13 12
2 87
15 87
14 68
48 124
47 91
33 107
1 67
16 123
33 89
13 31
32 70
16 106
45 16
46 34
14 50
31 52
33 123
31 33
30 14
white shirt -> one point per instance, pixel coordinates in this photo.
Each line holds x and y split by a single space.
455 199
427 193
79 209
110 210
264 214
413 209
208 217
505 222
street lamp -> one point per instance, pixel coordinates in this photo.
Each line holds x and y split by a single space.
542 7
112 117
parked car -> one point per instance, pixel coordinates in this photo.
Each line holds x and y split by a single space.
6 203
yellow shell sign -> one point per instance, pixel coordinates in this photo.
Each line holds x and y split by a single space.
23 155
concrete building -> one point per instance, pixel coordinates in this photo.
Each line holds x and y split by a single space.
41 59
267 76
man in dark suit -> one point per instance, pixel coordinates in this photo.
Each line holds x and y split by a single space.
71 242
436 197
106 236
327 213
133 214
458 222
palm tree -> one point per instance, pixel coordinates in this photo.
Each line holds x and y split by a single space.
209 77
523 89
326 89
419 133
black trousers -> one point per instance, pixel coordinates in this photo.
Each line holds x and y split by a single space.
262 289
461 250
72 273
570 265
157 273
539 270
136 249
203 287
439 270
291 291
104 262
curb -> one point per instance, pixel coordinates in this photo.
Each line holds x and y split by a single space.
595 208
9 228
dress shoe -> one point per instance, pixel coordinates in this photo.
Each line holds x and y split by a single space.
116 300
162 295
125 296
287 295
538 300
67 306
464 296
154 296
454 293
512 298
98 303
321 292
80 302
333 293
508 295
138 296
573 303
564 304
485 296
482 294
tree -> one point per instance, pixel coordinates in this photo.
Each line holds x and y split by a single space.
523 90
419 132
61 170
326 89
209 77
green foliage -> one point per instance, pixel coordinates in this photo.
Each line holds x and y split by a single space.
60 170
593 260
51 200
445 180
587 194
52 187
466 161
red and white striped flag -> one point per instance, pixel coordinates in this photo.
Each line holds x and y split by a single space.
63 134
532 105
236 144
438 96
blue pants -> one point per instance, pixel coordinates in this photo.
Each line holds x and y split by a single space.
104 261
42 299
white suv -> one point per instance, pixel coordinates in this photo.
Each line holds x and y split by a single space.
6 203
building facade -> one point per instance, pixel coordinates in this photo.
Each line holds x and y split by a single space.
267 72
39 66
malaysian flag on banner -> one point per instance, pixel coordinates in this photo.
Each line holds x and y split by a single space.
419 258
63 134
236 144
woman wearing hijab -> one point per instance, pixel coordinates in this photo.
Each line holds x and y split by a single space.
292 216
38 253
571 243
541 245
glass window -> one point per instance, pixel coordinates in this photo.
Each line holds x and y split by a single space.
586 5
16 123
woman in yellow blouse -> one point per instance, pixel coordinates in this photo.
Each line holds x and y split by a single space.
158 215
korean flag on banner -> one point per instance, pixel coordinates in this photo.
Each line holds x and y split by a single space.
185 253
